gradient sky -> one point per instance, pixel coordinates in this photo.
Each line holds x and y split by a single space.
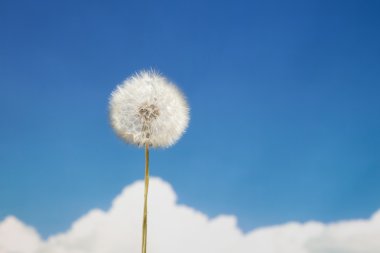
284 96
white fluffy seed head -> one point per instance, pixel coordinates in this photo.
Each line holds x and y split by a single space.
148 109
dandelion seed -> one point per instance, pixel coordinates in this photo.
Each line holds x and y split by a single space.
149 109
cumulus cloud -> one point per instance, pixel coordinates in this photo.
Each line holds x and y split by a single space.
177 228
16 237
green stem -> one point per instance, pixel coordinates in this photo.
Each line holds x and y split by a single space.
145 219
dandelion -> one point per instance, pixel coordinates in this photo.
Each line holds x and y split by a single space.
148 110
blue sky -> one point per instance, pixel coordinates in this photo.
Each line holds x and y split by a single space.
285 108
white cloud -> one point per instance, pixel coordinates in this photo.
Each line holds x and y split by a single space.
174 228
16 237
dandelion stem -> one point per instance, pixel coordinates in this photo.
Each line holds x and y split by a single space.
145 219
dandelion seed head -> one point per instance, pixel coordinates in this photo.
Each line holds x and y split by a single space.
148 109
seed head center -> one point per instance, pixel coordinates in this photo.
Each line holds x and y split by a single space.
149 112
